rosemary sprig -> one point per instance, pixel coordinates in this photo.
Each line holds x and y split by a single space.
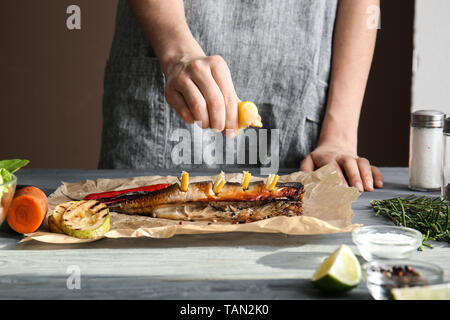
429 215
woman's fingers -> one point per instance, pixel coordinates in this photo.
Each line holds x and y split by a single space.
361 174
313 161
341 174
351 169
354 171
307 164
176 101
194 99
222 76
201 74
377 177
339 171
365 172
207 89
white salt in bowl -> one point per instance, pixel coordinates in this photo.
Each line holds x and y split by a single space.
386 242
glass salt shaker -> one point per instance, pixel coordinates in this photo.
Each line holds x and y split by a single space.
445 190
425 150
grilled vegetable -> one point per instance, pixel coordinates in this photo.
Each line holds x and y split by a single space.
27 210
104 196
86 219
54 220
13 165
7 168
123 197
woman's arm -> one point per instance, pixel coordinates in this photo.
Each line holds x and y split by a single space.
354 43
198 87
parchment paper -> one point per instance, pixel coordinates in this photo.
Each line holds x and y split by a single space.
327 209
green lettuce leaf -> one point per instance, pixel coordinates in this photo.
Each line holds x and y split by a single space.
5 175
13 165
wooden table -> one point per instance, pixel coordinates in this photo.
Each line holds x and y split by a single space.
214 266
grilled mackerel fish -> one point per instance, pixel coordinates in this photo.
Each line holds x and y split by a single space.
232 204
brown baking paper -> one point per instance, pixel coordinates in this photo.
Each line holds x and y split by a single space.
327 209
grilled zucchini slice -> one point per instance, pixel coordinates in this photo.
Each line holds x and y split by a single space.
54 220
86 219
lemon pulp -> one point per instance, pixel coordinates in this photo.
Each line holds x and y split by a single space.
341 271
248 115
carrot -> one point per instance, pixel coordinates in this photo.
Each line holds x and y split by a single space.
27 210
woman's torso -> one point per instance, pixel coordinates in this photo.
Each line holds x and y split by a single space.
279 55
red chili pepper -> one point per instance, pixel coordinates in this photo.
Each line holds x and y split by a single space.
111 194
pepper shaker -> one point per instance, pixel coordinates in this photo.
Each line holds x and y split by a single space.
445 190
425 150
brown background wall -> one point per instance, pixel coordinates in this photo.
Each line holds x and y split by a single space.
51 83
384 124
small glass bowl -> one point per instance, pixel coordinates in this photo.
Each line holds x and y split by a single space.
380 285
6 195
372 245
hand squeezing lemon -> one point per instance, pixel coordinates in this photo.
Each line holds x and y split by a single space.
248 116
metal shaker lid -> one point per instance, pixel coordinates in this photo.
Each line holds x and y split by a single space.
447 125
428 119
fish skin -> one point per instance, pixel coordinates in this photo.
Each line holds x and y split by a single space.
202 192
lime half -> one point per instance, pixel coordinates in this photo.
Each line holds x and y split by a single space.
341 271
435 292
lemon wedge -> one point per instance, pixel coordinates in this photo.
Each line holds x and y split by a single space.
219 182
246 179
271 181
184 181
248 115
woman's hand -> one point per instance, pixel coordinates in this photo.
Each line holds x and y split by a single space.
198 87
359 172
353 46
201 89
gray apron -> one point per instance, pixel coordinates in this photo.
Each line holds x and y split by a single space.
279 55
